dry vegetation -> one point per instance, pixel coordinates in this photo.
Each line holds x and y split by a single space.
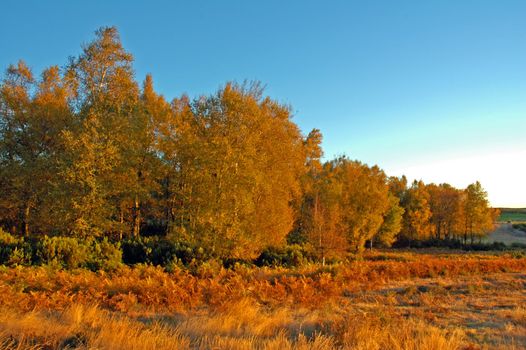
387 301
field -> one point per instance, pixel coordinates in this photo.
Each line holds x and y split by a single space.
512 215
387 300
507 234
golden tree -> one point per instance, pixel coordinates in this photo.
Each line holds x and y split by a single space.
417 215
236 159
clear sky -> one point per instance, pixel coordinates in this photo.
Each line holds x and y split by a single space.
432 89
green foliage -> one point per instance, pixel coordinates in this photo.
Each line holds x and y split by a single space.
14 251
7 238
62 251
287 256
104 255
161 251
392 224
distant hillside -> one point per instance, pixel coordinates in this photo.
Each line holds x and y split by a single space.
512 214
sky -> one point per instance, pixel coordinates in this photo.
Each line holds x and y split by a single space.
435 90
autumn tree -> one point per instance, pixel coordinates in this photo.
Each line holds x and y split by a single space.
392 223
444 202
318 212
33 115
101 168
398 187
417 215
236 162
363 200
479 218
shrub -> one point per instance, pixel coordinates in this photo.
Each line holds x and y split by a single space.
162 252
135 251
14 251
485 246
62 251
104 255
288 256
7 238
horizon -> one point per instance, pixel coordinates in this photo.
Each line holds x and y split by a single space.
432 91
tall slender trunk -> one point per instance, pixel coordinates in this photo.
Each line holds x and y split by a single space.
136 217
318 225
121 220
26 219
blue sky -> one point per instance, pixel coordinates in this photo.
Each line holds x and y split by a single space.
432 89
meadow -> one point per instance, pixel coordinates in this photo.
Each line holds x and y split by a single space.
515 215
433 299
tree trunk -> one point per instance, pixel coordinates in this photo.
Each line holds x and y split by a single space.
26 219
136 218
121 217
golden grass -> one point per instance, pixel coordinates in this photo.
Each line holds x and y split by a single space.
388 301
88 327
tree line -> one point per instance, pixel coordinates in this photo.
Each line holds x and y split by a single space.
87 151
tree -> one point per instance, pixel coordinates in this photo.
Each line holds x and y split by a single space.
392 223
444 201
33 115
99 169
363 200
320 218
236 164
417 215
479 218
17 154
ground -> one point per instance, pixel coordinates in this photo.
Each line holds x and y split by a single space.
505 233
435 299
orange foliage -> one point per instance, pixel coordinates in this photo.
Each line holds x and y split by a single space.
152 289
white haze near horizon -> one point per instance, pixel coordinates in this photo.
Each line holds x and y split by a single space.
501 173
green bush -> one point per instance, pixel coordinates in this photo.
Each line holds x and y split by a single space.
69 252
7 238
65 252
104 255
288 256
486 246
14 251
161 251
136 251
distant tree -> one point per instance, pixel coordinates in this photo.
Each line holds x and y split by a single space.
444 201
479 218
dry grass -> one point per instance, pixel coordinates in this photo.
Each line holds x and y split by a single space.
390 301
87 327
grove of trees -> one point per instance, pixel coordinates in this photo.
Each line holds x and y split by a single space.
87 151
